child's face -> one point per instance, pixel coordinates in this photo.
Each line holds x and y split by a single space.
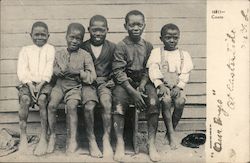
135 26
39 36
98 31
170 39
74 39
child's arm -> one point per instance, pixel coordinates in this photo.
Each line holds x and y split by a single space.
23 71
185 72
88 75
48 72
145 75
56 68
119 66
153 65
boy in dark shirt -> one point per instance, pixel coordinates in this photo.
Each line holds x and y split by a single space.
102 52
132 81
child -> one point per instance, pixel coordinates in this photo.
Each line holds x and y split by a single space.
72 67
131 77
34 70
169 70
101 51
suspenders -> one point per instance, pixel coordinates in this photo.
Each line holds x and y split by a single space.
181 57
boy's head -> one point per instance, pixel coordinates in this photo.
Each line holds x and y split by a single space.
98 28
170 35
74 36
39 33
134 24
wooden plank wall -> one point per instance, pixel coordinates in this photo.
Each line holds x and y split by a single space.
17 17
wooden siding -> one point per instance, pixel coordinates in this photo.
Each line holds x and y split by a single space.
17 18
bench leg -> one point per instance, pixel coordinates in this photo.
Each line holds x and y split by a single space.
135 131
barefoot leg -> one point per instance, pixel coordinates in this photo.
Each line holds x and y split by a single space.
41 148
72 124
23 116
89 121
152 129
119 128
106 117
56 97
179 104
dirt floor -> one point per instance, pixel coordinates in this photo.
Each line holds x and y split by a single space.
182 154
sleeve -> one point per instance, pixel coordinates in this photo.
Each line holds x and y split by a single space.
23 71
88 75
56 67
145 76
185 72
119 64
153 65
48 72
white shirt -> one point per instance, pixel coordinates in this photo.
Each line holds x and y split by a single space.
35 63
96 50
174 61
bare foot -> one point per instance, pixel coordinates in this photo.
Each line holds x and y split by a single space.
107 149
153 154
52 142
41 148
172 143
72 146
119 151
166 140
23 146
94 150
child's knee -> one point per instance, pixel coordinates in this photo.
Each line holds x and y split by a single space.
72 104
89 106
25 100
180 102
167 101
42 100
52 106
106 103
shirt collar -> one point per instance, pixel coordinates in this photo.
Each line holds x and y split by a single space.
37 47
128 41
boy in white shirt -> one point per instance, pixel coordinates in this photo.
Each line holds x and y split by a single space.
169 69
34 70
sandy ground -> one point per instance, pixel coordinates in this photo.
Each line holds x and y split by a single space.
182 154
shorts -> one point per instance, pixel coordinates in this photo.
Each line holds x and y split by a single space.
182 95
89 93
70 94
102 90
123 99
24 90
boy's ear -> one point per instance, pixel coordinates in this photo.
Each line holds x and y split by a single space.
161 38
125 26
48 35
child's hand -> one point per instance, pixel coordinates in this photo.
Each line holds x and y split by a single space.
163 90
110 83
141 88
175 92
32 89
38 88
139 102
73 71
59 74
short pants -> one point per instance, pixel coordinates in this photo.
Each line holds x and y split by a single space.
24 90
123 99
89 94
66 90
